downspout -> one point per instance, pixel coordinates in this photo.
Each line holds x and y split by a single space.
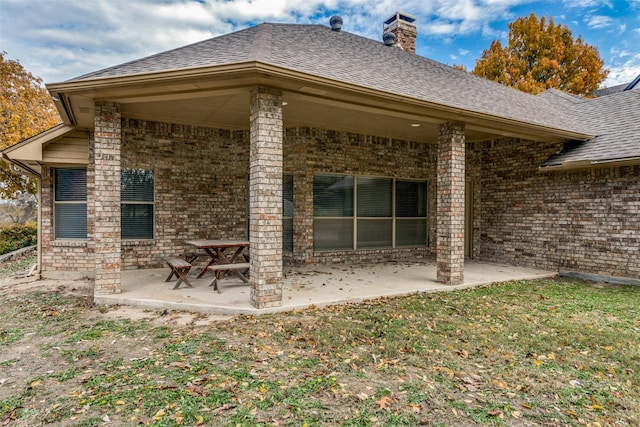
39 231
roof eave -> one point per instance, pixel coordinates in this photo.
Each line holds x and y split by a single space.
100 86
582 164
42 138
26 155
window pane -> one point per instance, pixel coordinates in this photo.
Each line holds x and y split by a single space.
411 199
136 185
374 233
332 234
287 196
287 235
374 197
332 195
71 220
71 185
411 232
137 221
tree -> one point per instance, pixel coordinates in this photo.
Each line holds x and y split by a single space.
19 210
26 109
541 55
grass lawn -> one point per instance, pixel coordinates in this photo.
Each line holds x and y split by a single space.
544 352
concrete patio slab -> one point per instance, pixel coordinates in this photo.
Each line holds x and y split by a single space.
305 286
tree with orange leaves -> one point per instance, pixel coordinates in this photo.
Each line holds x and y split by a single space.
541 55
26 109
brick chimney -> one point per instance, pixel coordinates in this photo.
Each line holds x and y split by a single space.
402 26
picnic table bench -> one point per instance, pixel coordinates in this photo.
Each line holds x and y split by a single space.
179 268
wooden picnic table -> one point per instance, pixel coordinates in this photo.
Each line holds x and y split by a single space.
219 259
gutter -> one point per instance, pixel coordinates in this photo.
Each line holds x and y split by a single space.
16 164
581 164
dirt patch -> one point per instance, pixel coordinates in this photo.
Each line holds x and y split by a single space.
38 358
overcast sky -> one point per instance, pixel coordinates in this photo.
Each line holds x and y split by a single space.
61 39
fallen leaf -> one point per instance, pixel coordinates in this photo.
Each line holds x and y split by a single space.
384 402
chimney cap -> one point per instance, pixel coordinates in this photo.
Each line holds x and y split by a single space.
400 16
336 23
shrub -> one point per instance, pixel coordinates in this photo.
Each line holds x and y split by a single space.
13 237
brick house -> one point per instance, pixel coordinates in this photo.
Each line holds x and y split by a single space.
322 146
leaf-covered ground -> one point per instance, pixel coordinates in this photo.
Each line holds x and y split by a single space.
17 266
546 352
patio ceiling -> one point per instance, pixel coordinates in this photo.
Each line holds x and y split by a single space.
230 110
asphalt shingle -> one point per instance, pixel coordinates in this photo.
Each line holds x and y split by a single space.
615 119
356 60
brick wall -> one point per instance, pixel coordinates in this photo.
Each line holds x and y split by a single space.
60 259
451 203
103 197
201 192
265 225
585 220
201 189
200 185
309 151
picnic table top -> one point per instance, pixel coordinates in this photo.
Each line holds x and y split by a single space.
219 243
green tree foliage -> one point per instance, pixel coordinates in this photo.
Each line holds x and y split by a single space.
26 109
17 236
541 55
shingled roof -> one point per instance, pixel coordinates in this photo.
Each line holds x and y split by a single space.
615 118
355 60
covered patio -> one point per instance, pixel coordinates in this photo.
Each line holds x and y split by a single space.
310 163
305 287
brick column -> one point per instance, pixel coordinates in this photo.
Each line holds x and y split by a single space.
450 200
105 203
265 197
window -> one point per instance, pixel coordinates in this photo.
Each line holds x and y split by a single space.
287 213
359 212
375 212
411 213
333 212
136 194
70 203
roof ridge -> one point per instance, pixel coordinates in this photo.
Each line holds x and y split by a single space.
262 43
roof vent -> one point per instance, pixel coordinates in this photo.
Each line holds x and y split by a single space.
389 39
336 23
